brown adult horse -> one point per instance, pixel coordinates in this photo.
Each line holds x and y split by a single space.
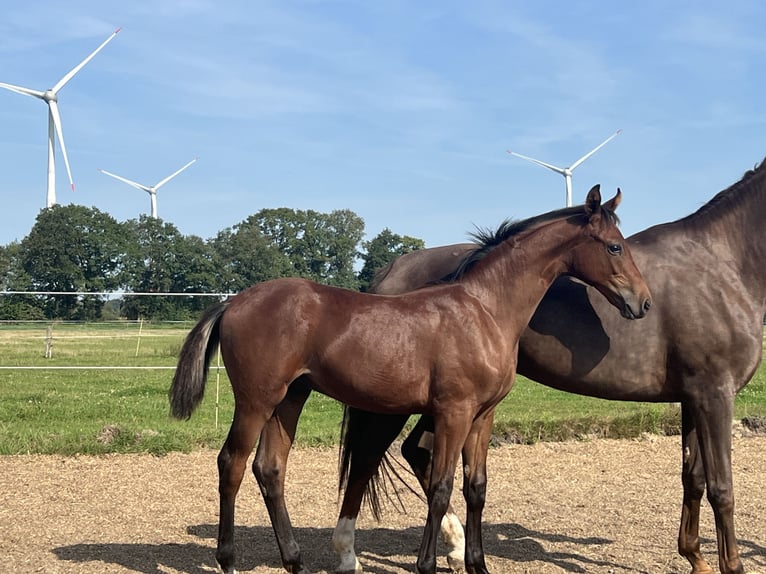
448 351
700 345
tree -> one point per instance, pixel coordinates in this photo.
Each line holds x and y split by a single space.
343 231
14 278
162 260
245 256
318 246
73 248
381 250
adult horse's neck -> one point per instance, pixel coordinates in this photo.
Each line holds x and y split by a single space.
521 269
732 226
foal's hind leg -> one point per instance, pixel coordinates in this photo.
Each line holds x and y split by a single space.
232 461
416 450
269 468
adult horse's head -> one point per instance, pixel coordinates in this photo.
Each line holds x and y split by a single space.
606 263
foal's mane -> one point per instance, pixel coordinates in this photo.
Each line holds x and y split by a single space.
487 240
730 198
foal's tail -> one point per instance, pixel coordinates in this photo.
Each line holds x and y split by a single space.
191 373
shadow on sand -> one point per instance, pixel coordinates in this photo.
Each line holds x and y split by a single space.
380 550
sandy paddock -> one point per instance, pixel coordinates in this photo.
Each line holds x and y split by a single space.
604 506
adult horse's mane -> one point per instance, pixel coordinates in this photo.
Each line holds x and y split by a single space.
728 199
487 240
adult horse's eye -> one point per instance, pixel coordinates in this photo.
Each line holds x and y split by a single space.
614 249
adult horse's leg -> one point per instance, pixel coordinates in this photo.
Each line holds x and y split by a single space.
232 461
693 480
416 450
270 465
368 436
475 490
712 418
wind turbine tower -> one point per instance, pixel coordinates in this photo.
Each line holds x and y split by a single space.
150 189
50 97
567 171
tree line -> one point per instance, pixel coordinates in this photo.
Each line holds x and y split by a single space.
74 248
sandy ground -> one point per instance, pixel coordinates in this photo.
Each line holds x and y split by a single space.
597 507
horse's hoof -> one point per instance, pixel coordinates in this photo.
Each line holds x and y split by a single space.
456 565
346 566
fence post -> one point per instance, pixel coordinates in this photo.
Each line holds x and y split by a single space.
140 328
49 342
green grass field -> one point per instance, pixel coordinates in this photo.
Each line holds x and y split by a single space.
85 409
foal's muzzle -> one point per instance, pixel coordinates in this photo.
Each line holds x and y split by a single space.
639 312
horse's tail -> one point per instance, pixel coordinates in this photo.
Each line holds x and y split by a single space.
188 386
356 432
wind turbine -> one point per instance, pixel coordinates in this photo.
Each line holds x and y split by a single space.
567 171
150 189
50 97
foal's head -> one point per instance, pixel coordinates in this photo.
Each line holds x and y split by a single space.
606 262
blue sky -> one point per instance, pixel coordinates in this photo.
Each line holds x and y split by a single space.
401 111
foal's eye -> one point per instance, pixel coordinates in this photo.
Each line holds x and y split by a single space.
614 249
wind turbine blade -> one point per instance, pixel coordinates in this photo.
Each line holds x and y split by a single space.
24 91
538 162
594 150
62 82
172 175
135 184
54 113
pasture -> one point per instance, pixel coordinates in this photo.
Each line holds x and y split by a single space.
104 390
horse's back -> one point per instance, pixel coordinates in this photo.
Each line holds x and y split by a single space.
418 268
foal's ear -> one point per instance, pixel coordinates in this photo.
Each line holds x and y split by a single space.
593 201
615 201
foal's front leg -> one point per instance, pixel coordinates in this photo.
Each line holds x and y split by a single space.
269 468
449 433
475 490
416 450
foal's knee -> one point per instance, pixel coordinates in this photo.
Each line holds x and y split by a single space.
269 477
475 493
440 496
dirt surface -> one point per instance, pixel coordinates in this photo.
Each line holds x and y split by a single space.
597 507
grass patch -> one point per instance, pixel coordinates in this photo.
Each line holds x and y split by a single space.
102 411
